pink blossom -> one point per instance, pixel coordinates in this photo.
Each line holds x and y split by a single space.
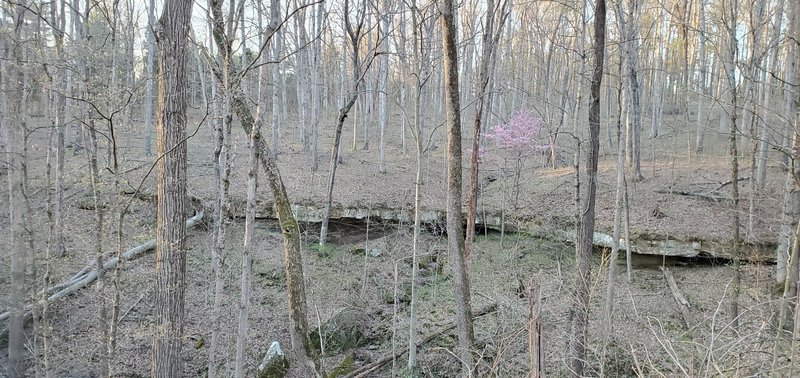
520 135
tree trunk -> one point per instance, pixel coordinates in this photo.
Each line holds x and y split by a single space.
354 33
301 344
703 86
316 98
416 26
771 91
612 262
576 354
383 86
275 19
249 247
15 128
791 201
172 34
733 152
629 29
455 231
221 159
61 120
149 97
488 56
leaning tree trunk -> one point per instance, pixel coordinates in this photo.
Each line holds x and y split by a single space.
172 34
301 344
576 353
455 231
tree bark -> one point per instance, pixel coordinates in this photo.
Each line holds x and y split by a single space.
316 98
791 199
630 46
455 231
249 247
576 354
488 55
15 139
149 97
172 38
383 86
703 86
293 261
354 34
275 20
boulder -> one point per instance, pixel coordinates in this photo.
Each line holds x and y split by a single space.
274 364
343 331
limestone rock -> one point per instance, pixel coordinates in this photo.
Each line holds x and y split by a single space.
274 364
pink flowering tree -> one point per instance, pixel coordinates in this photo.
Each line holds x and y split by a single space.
514 143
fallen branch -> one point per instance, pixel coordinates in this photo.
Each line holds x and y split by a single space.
683 304
726 183
88 275
710 196
371 367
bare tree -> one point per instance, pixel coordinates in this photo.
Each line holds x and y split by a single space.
355 33
628 27
172 37
702 82
149 97
579 314
301 344
383 86
221 157
791 199
15 126
491 37
455 235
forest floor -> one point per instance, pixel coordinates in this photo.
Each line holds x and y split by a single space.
649 331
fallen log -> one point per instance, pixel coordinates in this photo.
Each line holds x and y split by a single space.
716 198
683 304
372 367
88 274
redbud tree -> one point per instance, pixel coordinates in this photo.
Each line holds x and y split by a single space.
514 143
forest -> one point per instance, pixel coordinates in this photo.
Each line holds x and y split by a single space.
399 188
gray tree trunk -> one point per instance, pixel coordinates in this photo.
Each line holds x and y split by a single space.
249 247
770 93
221 159
172 37
383 86
316 98
15 128
704 93
275 19
455 235
576 353
629 29
791 199
612 262
298 331
149 95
